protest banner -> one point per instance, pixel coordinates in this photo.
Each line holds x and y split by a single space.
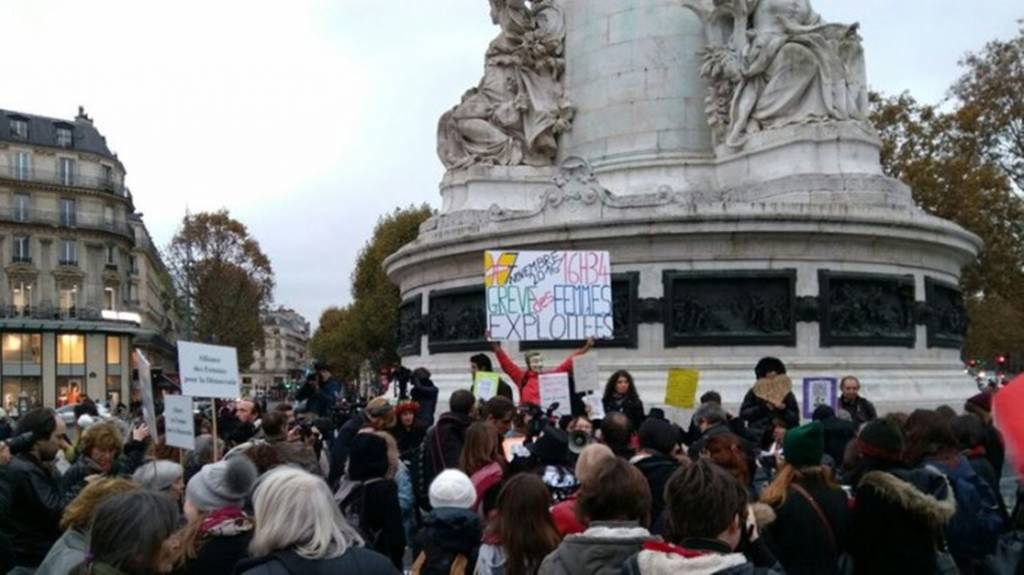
554 388
485 385
819 391
548 295
146 387
585 372
208 370
179 423
681 388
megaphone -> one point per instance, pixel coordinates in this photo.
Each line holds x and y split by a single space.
578 440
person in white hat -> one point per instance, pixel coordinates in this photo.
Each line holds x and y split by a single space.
450 538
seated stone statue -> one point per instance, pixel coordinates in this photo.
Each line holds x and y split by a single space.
515 114
782 65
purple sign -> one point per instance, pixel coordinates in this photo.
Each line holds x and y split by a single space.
819 391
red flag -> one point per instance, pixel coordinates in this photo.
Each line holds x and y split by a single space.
1008 409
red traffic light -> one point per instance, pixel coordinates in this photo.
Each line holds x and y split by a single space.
1001 359
972 363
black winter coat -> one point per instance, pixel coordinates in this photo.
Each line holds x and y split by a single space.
34 505
657 469
425 393
408 439
838 434
341 445
355 561
373 508
631 408
800 541
861 410
218 555
898 519
446 534
443 444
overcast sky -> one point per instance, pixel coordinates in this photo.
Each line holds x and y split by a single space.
309 119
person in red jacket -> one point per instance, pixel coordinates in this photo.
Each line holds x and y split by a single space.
528 379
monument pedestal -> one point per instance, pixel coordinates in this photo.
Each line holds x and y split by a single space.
736 230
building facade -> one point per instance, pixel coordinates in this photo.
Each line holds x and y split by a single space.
75 287
284 356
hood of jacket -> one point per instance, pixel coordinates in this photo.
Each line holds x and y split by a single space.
924 493
601 549
664 559
656 464
453 530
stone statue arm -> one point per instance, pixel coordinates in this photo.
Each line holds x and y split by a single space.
816 25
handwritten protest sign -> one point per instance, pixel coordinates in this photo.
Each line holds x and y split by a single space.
819 391
485 385
554 388
179 424
549 295
596 405
681 388
585 372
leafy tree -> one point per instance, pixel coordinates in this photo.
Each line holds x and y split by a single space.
221 270
336 341
965 162
367 329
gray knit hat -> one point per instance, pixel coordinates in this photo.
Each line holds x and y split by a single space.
222 484
158 475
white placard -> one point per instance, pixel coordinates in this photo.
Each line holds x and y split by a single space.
596 405
179 423
554 387
548 295
208 370
146 387
585 373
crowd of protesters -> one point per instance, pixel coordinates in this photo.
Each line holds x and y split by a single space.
502 487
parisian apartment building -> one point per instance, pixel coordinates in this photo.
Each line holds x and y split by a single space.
284 357
82 283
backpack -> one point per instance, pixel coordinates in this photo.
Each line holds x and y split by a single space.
460 565
353 507
974 530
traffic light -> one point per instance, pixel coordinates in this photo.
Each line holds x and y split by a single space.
972 363
1001 360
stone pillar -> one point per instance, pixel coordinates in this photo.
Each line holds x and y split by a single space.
633 73
49 369
96 366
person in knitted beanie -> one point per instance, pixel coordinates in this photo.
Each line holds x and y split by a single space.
218 531
451 531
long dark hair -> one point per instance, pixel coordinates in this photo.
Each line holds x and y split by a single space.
609 388
524 524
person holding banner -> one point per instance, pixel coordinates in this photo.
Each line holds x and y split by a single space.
528 380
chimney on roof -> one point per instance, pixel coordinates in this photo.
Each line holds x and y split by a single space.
82 117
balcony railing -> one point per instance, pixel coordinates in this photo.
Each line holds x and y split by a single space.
61 178
86 221
50 312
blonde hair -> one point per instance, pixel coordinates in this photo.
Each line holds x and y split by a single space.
79 512
775 493
295 510
590 460
101 436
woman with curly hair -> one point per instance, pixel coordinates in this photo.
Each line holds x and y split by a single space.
102 451
620 396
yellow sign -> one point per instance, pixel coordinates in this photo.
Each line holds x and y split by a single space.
496 272
681 389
